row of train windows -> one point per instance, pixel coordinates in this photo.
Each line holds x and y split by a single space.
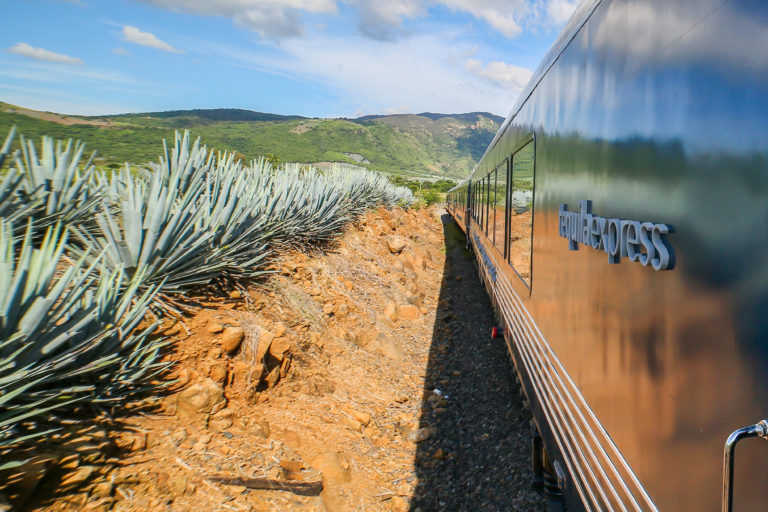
502 207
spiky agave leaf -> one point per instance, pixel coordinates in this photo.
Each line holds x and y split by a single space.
14 203
240 233
59 180
66 335
152 232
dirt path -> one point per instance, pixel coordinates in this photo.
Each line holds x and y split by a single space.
359 378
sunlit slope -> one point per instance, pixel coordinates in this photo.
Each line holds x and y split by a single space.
414 145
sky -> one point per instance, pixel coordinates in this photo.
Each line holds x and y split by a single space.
316 58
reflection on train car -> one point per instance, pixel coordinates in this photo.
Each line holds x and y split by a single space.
657 112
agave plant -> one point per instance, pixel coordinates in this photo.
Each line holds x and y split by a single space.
67 334
150 228
231 205
57 183
14 204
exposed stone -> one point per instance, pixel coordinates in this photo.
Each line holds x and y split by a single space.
408 312
78 477
396 244
415 296
265 340
235 294
285 366
390 311
328 309
215 327
291 469
292 439
231 339
353 424
178 437
386 346
278 330
102 489
279 347
341 310
363 417
315 291
273 377
335 468
222 420
200 399
139 441
69 462
178 484
259 428
418 435
218 371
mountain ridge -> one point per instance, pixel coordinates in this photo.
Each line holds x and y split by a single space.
426 145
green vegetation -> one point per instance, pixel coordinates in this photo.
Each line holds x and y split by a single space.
428 192
102 249
426 145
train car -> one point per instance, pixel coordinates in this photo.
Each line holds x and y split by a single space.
619 220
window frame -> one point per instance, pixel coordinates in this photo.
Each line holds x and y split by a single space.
530 139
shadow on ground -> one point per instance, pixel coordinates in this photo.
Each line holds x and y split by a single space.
477 455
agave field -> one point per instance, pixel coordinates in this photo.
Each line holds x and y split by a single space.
89 261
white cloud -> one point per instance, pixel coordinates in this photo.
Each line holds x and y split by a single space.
120 51
559 11
269 18
510 77
134 35
506 16
413 74
31 52
383 20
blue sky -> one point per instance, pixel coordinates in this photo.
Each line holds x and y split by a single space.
321 58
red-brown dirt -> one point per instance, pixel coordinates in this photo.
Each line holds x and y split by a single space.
316 375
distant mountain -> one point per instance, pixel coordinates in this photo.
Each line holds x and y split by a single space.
216 114
426 145
434 117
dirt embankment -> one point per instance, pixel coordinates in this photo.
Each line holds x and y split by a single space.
359 378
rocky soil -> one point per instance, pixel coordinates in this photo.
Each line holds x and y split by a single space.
362 377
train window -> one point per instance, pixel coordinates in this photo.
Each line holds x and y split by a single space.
482 203
492 213
489 204
521 212
486 194
475 202
499 205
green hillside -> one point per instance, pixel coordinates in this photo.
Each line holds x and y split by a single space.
423 145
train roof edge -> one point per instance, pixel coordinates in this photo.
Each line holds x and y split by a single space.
578 19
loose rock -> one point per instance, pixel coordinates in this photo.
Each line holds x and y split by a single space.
231 339
215 327
390 311
335 468
396 244
200 399
408 312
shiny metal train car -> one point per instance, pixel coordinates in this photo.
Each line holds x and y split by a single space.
620 224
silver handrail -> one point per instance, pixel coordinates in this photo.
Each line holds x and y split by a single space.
759 429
